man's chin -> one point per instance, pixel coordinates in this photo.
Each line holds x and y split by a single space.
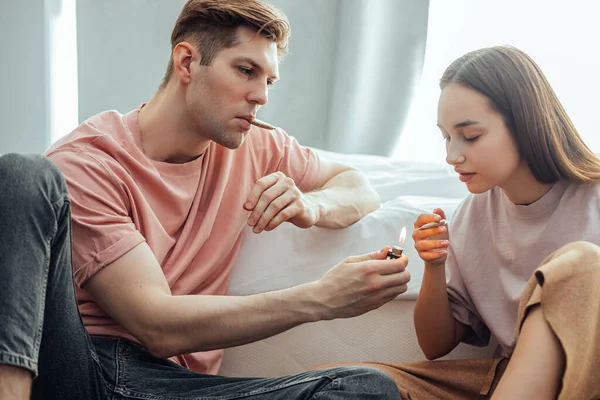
234 141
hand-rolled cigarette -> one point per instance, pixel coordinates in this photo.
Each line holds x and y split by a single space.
430 225
262 124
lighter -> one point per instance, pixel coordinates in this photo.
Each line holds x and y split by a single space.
396 251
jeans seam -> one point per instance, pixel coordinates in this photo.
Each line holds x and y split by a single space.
335 385
37 340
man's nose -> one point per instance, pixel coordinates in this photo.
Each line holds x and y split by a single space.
259 95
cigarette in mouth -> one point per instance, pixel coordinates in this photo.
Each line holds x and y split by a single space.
430 225
262 124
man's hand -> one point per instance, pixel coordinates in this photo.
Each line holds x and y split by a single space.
432 243
360 284
275 199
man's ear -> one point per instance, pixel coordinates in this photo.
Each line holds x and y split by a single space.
184 55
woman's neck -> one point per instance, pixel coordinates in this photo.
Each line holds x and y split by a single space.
522 188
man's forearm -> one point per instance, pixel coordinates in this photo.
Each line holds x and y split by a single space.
344 199
201 323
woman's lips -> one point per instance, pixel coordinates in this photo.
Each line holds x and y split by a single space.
465 177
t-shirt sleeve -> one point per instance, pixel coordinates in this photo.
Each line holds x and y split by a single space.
460 301
280 152
102 228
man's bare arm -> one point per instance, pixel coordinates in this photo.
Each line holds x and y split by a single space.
134 292
344 195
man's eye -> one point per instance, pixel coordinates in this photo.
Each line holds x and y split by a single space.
471 139
246 71
270 82
446 138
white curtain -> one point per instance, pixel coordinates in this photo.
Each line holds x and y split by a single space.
348 84
562 37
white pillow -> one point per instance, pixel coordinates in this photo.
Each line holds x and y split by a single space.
288 256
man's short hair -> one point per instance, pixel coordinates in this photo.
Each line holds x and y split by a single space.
211 25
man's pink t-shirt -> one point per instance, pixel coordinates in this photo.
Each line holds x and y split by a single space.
191 215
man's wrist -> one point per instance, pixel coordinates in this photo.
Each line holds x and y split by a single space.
317 209
303 301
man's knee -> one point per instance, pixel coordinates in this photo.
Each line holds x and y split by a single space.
27 176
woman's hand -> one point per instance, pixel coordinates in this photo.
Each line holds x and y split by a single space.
431 243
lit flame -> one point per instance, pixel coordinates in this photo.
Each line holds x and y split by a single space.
402 235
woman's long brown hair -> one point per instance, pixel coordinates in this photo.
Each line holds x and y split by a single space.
543 132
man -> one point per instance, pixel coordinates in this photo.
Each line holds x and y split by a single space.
159 198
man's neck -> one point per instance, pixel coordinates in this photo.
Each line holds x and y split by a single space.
165 131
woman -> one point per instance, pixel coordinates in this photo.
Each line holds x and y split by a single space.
520 259
534 190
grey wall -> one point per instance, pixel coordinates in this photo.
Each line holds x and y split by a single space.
24 77
308 73
123 48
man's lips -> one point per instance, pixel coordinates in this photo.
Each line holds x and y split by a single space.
245 122
247 117
253 121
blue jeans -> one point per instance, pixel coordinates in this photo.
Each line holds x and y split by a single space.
41 329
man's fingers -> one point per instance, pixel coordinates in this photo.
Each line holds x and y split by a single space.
396 279
289 212
374 255
268 196
279 211
382 266
259 187
285 203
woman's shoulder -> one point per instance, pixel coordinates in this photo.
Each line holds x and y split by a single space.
577 192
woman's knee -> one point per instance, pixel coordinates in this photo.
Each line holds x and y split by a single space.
580 249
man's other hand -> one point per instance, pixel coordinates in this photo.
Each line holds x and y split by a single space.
275 199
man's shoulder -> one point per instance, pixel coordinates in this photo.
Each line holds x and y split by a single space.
102 127
98 143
